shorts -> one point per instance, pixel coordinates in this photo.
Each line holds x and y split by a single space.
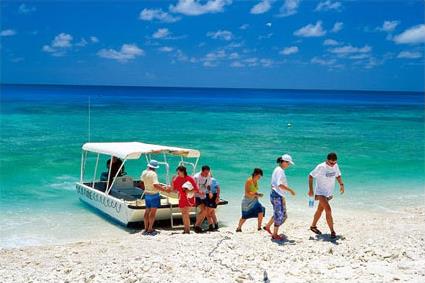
328 198
279 208
200 201
152 200
211 202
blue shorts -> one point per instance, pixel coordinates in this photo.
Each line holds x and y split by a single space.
279 209
152 200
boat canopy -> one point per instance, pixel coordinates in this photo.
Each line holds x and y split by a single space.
133 150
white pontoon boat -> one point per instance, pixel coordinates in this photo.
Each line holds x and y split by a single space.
121 196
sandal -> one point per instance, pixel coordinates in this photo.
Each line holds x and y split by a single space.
278 238
333 235
238 230
267 229
315 230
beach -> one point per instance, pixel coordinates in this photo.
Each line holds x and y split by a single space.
370 247
48 234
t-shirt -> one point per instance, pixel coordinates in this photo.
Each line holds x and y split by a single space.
279 178
214 185
203 183
325 176
149 178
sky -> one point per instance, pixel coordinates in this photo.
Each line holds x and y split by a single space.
278 44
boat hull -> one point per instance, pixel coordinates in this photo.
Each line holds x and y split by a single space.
126 212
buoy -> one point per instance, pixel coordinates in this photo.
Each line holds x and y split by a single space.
289 125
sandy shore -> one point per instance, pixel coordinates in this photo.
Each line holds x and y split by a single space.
370 248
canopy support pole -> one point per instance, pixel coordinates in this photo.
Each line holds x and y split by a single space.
116 175
95 170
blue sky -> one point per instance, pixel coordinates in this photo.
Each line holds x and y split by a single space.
376 45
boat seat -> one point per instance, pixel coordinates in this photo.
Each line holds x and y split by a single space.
123 182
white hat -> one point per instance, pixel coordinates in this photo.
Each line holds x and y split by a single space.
153 164
288 158
188 185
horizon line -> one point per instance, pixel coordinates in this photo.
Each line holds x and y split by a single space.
208 87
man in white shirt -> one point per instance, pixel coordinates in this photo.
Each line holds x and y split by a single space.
203 180
280 188
152 188
325 174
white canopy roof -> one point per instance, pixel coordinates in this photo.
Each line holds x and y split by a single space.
133 150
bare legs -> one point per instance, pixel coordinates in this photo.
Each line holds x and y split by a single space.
259 222
149 219
323 205
201 215
186 219
146 219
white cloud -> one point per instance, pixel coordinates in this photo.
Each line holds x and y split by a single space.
221 34
409 55
166 49
127 52
388 26
269 25
82 42
337 27
158 15
244 26
262 7
233 55
311 30
328 5
330 42
24 9
237 64
60 44
323 62
289 50
161 33
289 8
62 40
7 32
266 62
415 34
349 49
94 39
197 7
360 56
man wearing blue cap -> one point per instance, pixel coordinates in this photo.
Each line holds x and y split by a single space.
152 197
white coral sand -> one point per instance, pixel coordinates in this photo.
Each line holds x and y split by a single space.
372 248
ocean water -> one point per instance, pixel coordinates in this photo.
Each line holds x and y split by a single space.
378 136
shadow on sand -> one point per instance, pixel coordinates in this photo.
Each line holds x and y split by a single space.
327 238
283 242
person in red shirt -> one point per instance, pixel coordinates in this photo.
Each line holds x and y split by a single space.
186 187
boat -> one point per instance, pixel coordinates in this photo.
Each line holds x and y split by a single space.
121 197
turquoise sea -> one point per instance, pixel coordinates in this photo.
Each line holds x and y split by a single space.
378 136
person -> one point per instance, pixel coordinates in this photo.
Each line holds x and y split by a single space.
112 170
186 187
152 197
325 174
213 199
251 207
279 185
203 180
